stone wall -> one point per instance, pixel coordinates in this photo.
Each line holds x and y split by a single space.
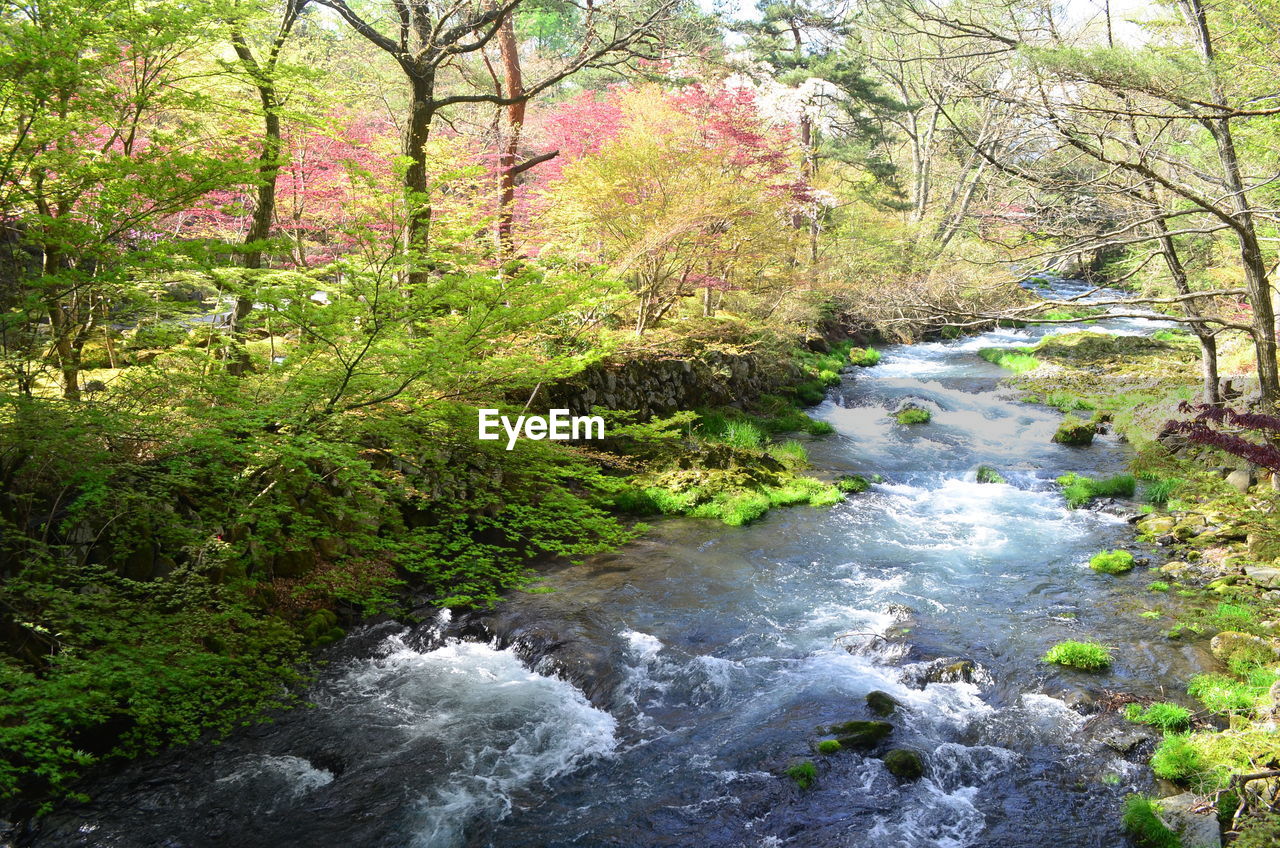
662 386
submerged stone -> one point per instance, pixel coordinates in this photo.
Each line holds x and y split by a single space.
1075 433
860 735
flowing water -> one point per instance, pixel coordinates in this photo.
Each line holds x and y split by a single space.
656 696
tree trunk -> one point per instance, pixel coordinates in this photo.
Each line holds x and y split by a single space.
414 145
1256 278
509 51
1208 342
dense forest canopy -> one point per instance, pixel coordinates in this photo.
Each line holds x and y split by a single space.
261 261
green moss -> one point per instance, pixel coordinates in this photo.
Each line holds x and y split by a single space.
1152 614
1170 718
805 774
913 415
1019 360
1075 433
828 746
1143 824
853 484
904 764
864 357
1157 586
1222 694
1089 656
1112 562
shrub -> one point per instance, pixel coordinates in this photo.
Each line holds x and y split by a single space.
1168 717
1143 824
864 357
828 746
1112 562
804 774
1089 656
913 415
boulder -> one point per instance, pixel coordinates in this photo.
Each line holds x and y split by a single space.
1075 433
1193 819
1228 643
860 735
1240 480
904 764
1157 525
943 670
882 703
1267 577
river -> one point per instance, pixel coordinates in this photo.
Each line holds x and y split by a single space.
654 698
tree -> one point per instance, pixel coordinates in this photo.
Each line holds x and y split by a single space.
427 40
693 193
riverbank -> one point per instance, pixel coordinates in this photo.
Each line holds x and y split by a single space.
173 596
1211 515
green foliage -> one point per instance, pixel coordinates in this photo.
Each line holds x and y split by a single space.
1157 586
864 357
1018 360
1112 562
1080 490
828 746
1260 832
1088 656
1222 694
133 666
1160 490
1177 758
790 453
805 774
1170 718
913 415
987 474
1144 826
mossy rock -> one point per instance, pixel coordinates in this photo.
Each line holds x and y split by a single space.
987 474
852 484
882 703
904 764
860 735
1231 643
1075 433
1112 562
913 415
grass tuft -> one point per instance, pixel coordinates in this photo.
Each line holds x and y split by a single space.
1088 656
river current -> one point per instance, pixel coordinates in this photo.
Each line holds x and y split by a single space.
655 697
